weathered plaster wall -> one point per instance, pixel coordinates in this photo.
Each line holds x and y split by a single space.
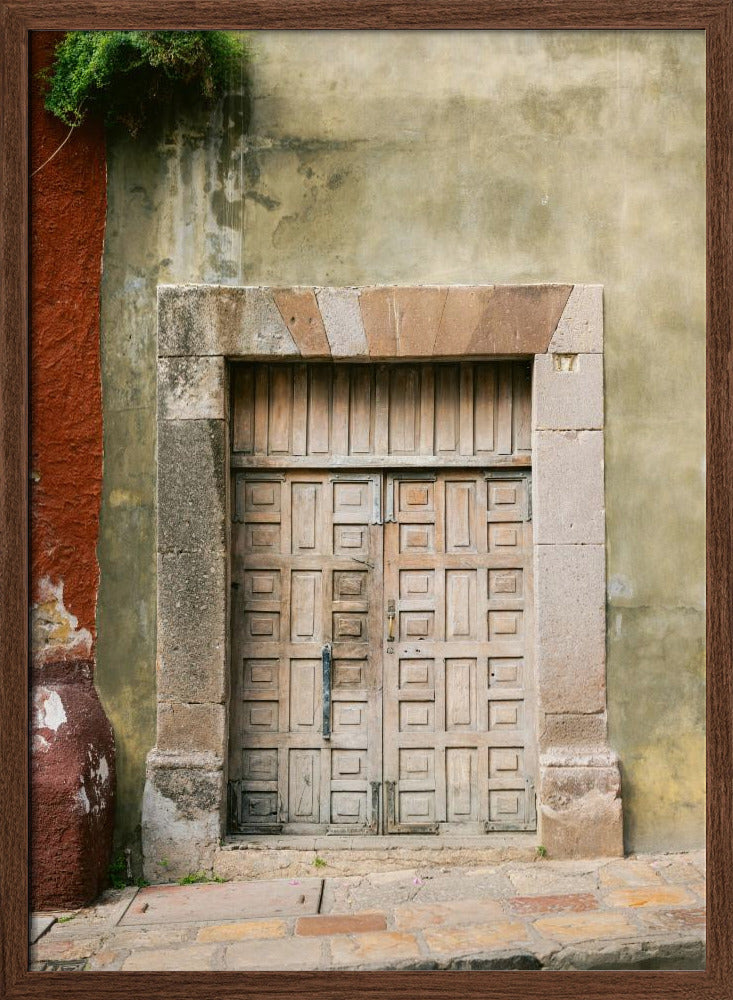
437 158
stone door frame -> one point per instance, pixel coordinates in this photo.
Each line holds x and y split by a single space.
201 328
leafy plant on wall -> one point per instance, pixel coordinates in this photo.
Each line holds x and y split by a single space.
125 76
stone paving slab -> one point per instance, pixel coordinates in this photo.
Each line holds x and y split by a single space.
641 912
163 904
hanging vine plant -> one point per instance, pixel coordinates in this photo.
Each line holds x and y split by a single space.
127 75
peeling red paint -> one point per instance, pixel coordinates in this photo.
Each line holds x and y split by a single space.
68 207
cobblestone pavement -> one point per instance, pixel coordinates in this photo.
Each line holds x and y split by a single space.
646 911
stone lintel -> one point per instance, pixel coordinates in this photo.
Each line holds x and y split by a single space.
375 322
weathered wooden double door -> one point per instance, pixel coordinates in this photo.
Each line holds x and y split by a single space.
381 618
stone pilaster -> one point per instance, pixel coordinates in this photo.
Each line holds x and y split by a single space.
184 799
579 789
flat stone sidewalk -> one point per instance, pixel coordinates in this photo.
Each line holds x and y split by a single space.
646 911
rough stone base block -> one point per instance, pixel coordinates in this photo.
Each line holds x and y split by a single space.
73 779
182 814
580 807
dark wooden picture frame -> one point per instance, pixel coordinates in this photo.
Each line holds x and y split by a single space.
19 18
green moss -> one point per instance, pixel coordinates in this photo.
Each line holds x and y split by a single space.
194 878
124 75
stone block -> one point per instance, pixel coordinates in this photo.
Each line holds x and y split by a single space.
402 321
299 309
189 728
650 895
568 487
552 878
569 729
498 319
415 916
572 902
374 949
513 319
246 930
580 330
192 485
628 874
342 320
571 927
229 320
570 629
160 936
52 949
192 626
475 938
580 811
280 956
567 392
107 960
678 921
192 388
188 958
340 923
181 821
217 902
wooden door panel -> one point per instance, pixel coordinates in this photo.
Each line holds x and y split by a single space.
453 718
314 578
458 741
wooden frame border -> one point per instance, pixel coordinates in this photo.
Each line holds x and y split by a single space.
21 16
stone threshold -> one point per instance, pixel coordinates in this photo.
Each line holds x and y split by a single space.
295 842
263 857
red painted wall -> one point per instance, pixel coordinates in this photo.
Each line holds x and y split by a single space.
68 206
73 754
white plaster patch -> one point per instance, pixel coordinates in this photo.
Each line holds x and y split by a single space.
54 628
620 586
83 799
618 621
48 709
102 772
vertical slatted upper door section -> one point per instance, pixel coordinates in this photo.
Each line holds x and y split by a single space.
293 415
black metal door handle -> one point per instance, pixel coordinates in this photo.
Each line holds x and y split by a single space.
326 663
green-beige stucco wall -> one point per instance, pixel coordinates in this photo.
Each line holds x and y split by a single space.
457 157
